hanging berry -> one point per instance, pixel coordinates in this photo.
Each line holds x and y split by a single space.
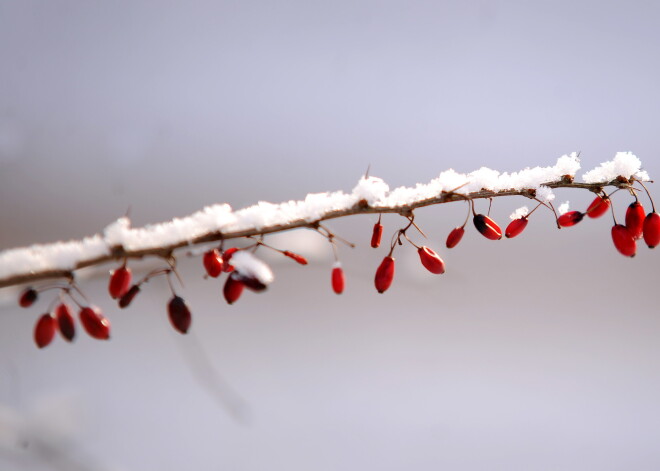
298 258
338 280
377 234
623 240
515 227
120 281
226 256
95 323
652 229
233 289
487 227
599 206
384 274
455 237
127 298
635 219
213 263
44 330
65 322
28 297
179 314
570 218
431 260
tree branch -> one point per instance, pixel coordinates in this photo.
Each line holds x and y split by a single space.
362 206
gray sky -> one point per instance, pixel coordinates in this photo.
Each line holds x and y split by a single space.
536 353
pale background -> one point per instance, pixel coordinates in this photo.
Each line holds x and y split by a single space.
536 353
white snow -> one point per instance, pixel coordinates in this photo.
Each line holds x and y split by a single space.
315 206
563 208
520 212
247 265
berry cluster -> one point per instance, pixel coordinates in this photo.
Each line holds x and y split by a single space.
60 318
242 269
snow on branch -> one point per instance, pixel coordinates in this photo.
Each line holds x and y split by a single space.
371 195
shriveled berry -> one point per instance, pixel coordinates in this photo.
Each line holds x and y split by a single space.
455 237
515 227
431 260
44 330
338 279
179 314
28 297
652 229
298 258
233 289
95 323
120 281
376 235
635 219
623 240
570 218
384 274
598 207
488 228
65 322
127 298
213 263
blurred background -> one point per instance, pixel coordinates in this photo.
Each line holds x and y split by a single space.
539 352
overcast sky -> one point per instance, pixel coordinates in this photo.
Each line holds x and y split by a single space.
536 353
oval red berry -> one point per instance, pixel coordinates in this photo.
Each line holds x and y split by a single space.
570 218
213 263
384 274
431 260
487 227
95 323
598 207
652 229
623 240
455 237
515 227
120 281
44 330
338 280
635 219
179 314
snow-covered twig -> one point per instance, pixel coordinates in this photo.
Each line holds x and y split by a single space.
371 195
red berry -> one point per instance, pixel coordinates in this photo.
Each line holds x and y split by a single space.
298 258
95 323
455 237
44 330
213 263
598 207
515 227
376 235
431 260
226 256
488 228
570 218
120 281
65 322
338 279
233 289
28 297
384 274
126 299
179 313
635 219
652 229
623 240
